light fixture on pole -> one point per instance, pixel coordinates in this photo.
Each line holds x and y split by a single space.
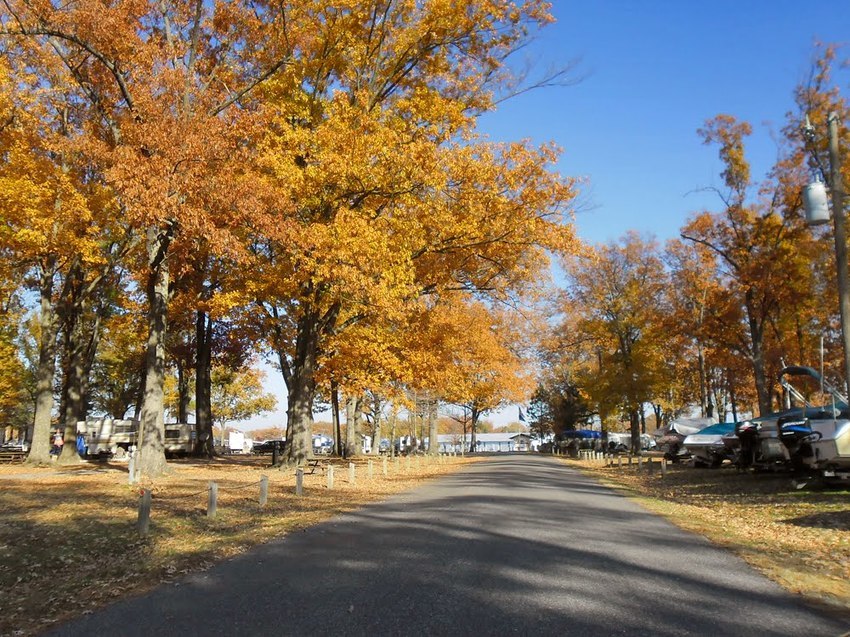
817 212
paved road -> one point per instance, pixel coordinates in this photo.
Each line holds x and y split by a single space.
515 545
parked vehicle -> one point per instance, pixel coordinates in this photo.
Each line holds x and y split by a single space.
810 439
621 442
322 445
709 446
670 439
267 446
108 437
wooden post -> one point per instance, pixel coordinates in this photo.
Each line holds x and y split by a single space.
299 481
663 467
131 470
144 512
212 502
370 470
384 459
330 476
619 462
351 473
396 462
630 460
264 490
640 463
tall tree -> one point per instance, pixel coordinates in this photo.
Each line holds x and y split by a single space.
757 248
169 85
383 190
616 298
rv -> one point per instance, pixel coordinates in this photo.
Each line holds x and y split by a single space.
114 437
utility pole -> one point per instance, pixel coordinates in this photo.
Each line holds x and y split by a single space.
837 186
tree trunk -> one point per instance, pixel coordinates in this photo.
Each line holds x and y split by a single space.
376 435
703 393
73 390
757 344
151 462
40 447
302 387
337 427
473 425
642 420
183 397
352 447
433 441
634 429
204 445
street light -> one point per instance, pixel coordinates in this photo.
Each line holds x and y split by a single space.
817 212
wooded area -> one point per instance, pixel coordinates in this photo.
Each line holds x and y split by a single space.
187 186
711 318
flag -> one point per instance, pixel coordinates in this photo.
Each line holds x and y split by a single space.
521 415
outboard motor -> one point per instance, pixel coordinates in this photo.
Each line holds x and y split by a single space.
797 435
748 434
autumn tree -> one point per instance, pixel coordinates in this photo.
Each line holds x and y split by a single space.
615 298
761 251
238 395
384 192
169 86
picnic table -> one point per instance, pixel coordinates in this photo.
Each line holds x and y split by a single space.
12 455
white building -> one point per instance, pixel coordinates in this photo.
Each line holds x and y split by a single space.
502 442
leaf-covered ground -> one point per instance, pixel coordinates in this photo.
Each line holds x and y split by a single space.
68 539
798 537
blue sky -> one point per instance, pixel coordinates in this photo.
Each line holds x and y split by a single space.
653 72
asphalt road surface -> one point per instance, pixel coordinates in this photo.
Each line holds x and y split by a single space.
514 545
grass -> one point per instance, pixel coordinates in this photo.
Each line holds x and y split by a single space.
798 538
68 538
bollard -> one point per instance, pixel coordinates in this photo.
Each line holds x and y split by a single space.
396 462
630 460
330 477
384 465
299 481
663 467
351 473
264 490
619 462
144 512
370 470
212 502
640 463
650 466
131 469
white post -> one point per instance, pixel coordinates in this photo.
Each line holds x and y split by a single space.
384 465
299 481
144 512
212 502
330 476
351 473
264 490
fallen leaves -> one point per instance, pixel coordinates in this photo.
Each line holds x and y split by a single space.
71 537
800 539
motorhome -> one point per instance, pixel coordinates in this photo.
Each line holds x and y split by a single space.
115 437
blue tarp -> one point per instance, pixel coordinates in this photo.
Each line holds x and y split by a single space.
717 429
584 434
